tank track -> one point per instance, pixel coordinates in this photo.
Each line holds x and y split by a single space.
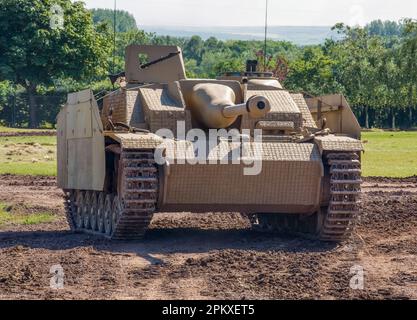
119 217
333 223
345 190
70 209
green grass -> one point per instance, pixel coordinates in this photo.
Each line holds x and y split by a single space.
28 155
42 140
29 169
390 154
8 216
18 130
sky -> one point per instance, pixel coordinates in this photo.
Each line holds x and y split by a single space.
252 12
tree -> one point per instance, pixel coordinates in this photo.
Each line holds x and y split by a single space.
359 62
194 48
125 39
215 64
34 50
5 92
384 28
408 52
312 72
124 20
213 44
191 68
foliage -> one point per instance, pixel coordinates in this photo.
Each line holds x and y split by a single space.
125 21
375 66
33 53
375 71
313 73
384 28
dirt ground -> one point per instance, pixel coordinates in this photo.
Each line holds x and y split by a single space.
211 256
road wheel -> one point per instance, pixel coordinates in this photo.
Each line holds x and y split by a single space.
94 211
71 208
86 210
72 202
308 225
117 211
100 212
108 215
79 214
320 219
283 223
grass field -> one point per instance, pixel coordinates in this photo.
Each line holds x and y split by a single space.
390 154
387 154
9 215
7 129
28 155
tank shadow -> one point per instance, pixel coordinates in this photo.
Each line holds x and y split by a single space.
166 241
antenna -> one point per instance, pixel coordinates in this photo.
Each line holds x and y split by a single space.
266 33
114 36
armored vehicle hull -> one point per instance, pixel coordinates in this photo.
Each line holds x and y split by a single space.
149 148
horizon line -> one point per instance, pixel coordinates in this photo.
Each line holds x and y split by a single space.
234 26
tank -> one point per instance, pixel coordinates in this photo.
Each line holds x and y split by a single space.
239 143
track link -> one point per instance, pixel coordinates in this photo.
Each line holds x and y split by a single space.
70 208
139 196
333 223
120 217
345 190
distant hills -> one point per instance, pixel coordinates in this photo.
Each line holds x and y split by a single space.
299 35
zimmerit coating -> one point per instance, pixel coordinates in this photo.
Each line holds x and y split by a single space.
291 174
281 101
283 108
295 118
158 99
134 109
162 111
305 111
259 151
115 105
275 125
284 183
338 143
137 141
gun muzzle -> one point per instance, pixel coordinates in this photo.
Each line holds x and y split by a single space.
256 107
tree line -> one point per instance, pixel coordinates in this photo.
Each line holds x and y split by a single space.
375 67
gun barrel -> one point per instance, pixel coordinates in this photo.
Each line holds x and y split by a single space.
256 107
213 105
235 110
